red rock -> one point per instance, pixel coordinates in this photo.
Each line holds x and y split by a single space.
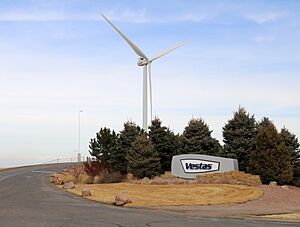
86 192
69 185
122 199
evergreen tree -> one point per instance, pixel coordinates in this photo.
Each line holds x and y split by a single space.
264 123
118 159
94 148
165 143
292 144
271 159
142 159
196 139
103 144
239 137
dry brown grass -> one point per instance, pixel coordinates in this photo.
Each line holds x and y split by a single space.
170 195
290 216
231 177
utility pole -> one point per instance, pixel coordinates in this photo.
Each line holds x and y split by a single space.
78 155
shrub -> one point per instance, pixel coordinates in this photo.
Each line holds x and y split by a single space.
230 177
113 177
94 168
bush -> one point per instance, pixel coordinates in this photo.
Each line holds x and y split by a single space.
94 168
230 177
113 177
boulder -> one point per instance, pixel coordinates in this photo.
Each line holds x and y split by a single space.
122 199
285 187
69 185
56 180
273 183
86 192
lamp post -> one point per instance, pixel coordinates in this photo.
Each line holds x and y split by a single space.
80 111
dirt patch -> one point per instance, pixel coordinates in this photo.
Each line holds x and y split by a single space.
275 200
170 195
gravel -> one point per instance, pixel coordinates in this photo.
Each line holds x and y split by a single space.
276 200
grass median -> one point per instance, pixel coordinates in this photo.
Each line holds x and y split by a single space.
144 195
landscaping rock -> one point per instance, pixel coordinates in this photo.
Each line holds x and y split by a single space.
145 180
69 185
122 199
86 192
285 187
273 183
54 178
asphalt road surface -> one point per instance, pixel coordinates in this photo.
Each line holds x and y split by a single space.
28 199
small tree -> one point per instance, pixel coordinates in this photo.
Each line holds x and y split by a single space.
165 143
118 159
292 144
103 144
239 137
196 139
142 159
271 159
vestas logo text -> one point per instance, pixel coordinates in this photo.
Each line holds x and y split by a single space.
198 166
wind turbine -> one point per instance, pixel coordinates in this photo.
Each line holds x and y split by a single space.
146 63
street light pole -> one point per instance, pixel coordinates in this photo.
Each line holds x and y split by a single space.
80 111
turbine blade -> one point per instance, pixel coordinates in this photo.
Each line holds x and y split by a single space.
150 91
131 44
167 51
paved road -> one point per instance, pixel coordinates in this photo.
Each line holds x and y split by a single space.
27 199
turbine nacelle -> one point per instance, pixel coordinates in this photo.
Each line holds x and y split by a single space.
142 62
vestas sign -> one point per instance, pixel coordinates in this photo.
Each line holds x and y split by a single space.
190 165
199 166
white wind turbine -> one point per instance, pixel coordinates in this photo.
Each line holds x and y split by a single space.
146 63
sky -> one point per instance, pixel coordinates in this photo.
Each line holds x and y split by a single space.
59 56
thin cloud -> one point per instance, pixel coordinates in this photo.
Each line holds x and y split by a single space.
16 16
263 39
131 16
261 18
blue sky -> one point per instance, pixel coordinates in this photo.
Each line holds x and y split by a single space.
58 56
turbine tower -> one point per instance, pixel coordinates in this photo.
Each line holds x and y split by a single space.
146 63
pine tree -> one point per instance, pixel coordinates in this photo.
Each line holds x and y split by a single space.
196 139
292 144
118 159
271 159
165 143
103 144
142 159
239 137
264 123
